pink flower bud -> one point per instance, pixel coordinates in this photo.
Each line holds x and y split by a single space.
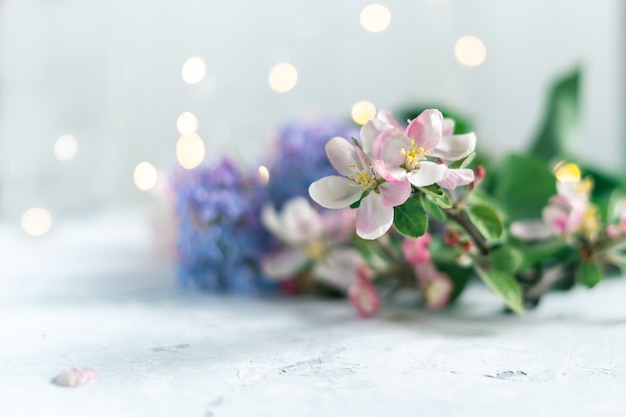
451 237
479 174
416 250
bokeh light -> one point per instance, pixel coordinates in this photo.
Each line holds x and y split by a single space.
190 151
375 18
36 221
363 111
187 123
263 174
145 176
65 148
194 70
567 172
283 77
470 51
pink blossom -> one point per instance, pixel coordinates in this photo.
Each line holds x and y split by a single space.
75 377
308 235
364 297
415 250
359 180
567 212
401 153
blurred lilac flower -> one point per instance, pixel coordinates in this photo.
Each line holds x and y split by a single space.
299 157
220 238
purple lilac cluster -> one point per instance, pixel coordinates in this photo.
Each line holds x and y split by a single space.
299 157
220 237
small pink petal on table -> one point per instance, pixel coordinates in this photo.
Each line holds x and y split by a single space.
75 377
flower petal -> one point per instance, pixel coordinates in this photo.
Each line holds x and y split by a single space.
373 218
448 127
389 146
530 230
437 293
455 147
395 193
284 264
301 223
389 172
415 250
426 129
342 154
387 151
334 192
456 177
427 174
370 131
340 268
272 222
364 297
387 117
338 225
75 377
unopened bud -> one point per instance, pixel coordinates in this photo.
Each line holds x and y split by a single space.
479 174
451 237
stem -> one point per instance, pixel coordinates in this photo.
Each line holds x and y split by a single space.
547 280
457 216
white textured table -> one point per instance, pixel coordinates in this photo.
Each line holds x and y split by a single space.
94 294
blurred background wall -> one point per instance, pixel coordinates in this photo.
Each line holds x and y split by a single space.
109 73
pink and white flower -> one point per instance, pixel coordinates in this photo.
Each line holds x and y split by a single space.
308 235
401 153
375 214
568 211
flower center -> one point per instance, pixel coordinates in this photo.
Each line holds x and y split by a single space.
315 250
364 178
413 157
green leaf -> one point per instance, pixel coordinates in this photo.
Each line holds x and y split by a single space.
523 186
357 203
356 142
589 274
433 209
437 195
487 221
561 118
505 285
536 253
464 162
410 218
506 259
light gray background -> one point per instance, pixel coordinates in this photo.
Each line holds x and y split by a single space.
108 72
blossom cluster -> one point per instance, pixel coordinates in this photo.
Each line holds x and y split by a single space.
401 207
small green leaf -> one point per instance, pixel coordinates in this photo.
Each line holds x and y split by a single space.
506 259
589 274
437 195
433 209
464 162
357 203
505 286
410 218
356 142
487 221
